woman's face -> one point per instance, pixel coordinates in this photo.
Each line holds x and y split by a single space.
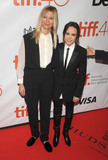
70 36
47 21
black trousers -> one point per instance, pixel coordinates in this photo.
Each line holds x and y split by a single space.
38 88
68 115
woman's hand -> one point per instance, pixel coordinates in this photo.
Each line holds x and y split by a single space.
76 99
21 90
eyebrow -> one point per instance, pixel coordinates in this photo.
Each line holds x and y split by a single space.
72 33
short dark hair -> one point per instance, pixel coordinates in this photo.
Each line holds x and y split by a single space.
72 24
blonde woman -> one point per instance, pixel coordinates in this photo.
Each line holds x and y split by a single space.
35 73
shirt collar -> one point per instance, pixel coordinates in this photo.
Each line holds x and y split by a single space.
71 47
43 36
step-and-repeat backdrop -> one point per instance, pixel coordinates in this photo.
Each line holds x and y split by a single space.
18 17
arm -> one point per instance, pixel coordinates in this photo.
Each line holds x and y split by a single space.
99 54
20 70
102 55
81 77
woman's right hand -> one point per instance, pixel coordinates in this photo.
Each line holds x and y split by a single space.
21 90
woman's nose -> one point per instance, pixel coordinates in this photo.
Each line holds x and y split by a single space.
47 19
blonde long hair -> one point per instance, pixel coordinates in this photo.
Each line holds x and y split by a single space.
37 31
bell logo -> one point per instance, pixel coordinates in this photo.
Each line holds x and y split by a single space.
99 2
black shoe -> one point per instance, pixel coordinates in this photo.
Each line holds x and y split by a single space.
31 141
56 139
47 146
66 137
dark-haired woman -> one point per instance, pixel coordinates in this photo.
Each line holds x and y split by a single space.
69 77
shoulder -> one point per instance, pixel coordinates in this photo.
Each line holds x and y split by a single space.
28 38
81 49
28 35
61 45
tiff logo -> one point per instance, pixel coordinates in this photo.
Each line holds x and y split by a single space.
86 80
88 28
22 2
21 112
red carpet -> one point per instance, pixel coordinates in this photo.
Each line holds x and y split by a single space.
89 137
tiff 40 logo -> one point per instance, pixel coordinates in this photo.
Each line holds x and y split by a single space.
92 28
39 3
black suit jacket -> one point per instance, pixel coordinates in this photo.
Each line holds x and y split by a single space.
101 55
71 81
32 55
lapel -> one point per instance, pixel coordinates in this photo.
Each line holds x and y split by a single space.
73 57
52 39
36 53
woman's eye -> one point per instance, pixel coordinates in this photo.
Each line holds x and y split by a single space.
73 34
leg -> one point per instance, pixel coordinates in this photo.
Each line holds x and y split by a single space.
57 114
68 120
45 104
69 115
46 90
57 120
32 106
31 99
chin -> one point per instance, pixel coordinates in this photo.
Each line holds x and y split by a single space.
69 45
47 28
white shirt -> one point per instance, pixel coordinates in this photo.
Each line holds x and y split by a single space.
71 49
45 51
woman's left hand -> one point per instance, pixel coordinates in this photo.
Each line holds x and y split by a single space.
76 99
